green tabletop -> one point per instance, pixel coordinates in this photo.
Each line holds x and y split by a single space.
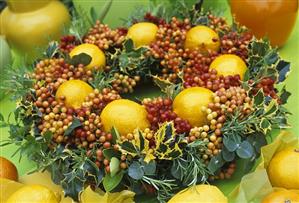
121 9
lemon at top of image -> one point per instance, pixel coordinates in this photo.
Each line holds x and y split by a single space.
33 194
189 102
203 38
142 34
283 169
282 196
74 92
98 58
229 64
8 170
199 194
125 116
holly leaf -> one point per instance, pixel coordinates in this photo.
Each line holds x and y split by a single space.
114 166
129 45
73 187
75 124
109 153
129 147
110 182
283 68
284 95
245 150
135 171
115 135
259 98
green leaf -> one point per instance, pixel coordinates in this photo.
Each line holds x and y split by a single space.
245 150
93 14
257 140
150 168
227 155
129 45
105 10
129 147
232 142
110 182
259 98
271 108
215 163
82 58
284 95
114 166
135 171
141 138
265 125
115 135
283 68
109 153
75 124
73 187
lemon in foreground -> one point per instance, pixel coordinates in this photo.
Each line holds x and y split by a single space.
189 102
97 55
142 33
282 196
283 169
203 38
33 194
125 116
229 64
8 170
73 92
199 194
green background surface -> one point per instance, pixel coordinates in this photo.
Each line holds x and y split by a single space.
123 8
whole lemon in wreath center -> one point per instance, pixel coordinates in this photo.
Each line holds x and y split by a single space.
283 169
73 92
33 194
125 116
189 102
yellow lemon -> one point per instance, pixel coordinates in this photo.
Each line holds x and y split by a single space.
283 169
199 194
97 55
189 102
203 38
125 116
33 194
282 196
229 64
142 34
73 92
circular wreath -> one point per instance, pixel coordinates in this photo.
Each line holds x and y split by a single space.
59 123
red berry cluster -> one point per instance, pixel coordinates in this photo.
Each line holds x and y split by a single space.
67 43
267 84
154 19
160 110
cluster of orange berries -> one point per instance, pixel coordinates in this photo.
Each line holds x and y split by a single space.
104 37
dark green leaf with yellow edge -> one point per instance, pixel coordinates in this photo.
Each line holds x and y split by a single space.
129 45
265 125
245 150
109 153
110 182
135 171
115 134
141 139
259 98
129 147
75 124
283 68
114 166
284 95
271 108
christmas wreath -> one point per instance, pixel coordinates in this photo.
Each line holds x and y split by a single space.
221 94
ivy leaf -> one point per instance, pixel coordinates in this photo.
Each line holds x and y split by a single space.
259 98
232 142
82 58
109 153
114 166
149 168
215 163
227 155
110 182
75 124
135 171
245 150
283 68
115 134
